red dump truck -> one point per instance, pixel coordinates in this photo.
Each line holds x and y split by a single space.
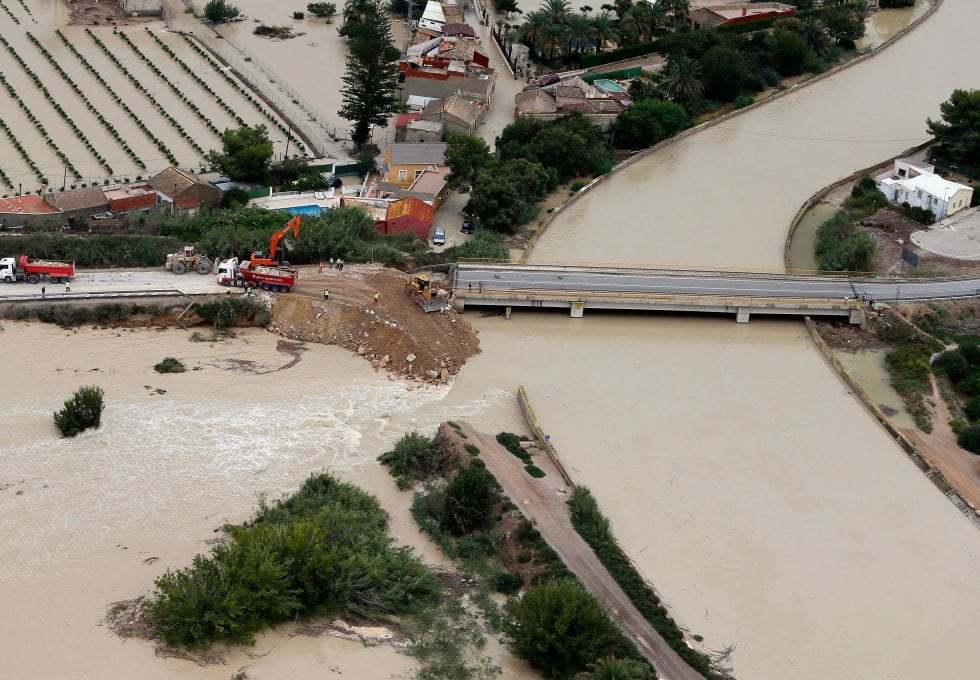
231 272
35 270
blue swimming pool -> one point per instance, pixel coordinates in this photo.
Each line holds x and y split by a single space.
302 210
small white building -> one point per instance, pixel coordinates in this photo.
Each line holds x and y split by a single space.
918 185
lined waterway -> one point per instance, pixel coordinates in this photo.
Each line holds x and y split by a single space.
738 471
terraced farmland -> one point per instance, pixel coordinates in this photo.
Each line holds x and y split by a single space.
95 105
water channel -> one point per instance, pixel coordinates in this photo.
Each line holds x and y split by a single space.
740 474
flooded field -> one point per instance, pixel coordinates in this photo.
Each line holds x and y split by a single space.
868 368
801 249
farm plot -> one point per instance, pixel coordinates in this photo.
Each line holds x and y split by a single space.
111 105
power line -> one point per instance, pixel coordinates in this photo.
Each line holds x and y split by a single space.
820 139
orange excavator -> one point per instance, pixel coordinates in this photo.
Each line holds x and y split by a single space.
274 258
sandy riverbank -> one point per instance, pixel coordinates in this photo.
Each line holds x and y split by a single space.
82 519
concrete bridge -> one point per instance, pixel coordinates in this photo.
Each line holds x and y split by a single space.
578 287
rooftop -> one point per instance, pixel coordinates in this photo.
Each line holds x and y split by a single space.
78 199
26 205
424 153
431 181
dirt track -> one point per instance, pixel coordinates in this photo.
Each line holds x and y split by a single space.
543 502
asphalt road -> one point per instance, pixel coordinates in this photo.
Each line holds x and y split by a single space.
517 277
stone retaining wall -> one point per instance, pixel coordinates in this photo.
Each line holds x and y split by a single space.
532 423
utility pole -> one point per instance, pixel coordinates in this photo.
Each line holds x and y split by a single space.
64 182
286 155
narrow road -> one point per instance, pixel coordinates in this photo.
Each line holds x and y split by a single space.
543 502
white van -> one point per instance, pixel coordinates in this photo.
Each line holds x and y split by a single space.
439 237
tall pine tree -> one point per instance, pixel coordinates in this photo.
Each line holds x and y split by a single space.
370 88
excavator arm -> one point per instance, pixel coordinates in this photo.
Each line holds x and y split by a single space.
293 224
271 259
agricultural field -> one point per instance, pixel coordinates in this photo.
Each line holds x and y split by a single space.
87 105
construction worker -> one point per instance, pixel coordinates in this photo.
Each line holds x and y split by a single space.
321 266
376 296
326 295
42 291
67 288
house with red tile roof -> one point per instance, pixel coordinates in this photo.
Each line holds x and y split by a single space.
408 214
29 210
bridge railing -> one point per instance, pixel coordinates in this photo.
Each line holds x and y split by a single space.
700 299
662 270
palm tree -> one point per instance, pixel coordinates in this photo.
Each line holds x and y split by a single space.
580 33
681 81
604 30
533 28
677 10
622 7
615 669
815 35
554 40
557 11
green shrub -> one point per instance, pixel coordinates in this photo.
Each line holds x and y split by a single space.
841 247
512 443
560 629
231 310
82 411
415 458
970 386
743 100
969 439
953 364
477 544
972 408
325 550
506 582
170 365
578 186
472 449
470 497
909 368
534 471
957 425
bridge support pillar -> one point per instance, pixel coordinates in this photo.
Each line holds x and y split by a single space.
742 316
459 303
578 309
507 313
858 316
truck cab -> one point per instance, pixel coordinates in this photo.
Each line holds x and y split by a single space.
228 272
8 270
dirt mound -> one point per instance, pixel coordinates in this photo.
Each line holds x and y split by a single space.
393 333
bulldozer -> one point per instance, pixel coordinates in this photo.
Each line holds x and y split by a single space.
420 284
180 262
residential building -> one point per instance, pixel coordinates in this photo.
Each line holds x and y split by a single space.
401 124
124 198
77 205
439 78
430 187
599 105
144 8
424 131
918 185
458 113
407 214
719 14
30 210
174 183
405 162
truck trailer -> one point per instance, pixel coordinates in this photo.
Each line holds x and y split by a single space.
231 272
34 271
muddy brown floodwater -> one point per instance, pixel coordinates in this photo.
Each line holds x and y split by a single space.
82 519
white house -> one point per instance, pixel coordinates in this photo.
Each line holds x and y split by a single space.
918 185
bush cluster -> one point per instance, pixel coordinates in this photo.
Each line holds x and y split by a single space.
82 411
840 246
69 316
233 310
594 527
512 443
962 367
324 550
170 365
110 250
415 458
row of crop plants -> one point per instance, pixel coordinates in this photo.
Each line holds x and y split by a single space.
109 127
39 127
197 79
57 107
23 152
163 148
137 85
27 9
12 16
168 82
242 90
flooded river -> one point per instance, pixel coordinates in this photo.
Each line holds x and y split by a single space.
726 196
738 471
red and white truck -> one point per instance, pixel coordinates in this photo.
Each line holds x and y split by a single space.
231 272
33 271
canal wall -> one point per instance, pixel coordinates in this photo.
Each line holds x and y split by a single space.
535 427
933 473
546 222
